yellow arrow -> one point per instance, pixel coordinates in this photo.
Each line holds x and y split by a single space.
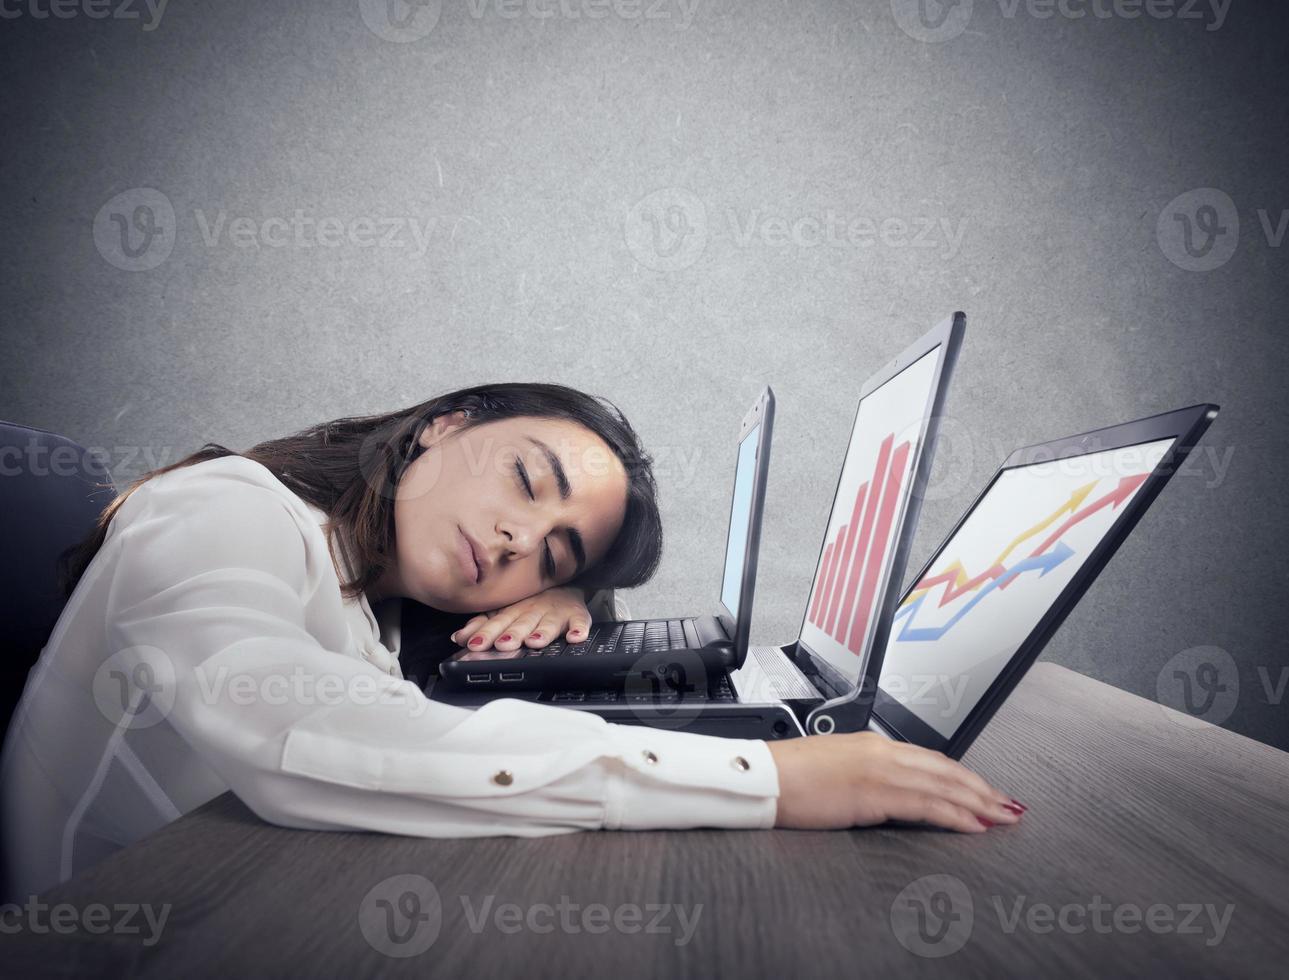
960 574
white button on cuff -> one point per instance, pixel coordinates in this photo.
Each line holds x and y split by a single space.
649 757
503 777
741 764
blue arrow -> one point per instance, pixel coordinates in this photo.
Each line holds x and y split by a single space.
1044 563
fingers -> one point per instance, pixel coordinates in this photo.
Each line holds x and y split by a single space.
468 630
547 629
983 806
938 763
915 805
516 631
579 626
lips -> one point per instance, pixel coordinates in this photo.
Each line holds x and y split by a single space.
468 557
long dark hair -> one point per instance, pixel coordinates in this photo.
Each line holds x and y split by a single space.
350 468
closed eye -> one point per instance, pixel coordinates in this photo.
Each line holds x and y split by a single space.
522 472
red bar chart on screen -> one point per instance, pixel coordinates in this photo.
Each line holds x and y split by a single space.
854 555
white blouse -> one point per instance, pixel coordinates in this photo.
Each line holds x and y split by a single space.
207 647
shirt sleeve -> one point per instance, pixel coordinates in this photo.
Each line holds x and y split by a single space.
213 587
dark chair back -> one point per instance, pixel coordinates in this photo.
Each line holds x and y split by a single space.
51 493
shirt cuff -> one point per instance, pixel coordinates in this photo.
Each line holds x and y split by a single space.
669 779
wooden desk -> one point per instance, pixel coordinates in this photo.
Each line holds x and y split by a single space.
1154 846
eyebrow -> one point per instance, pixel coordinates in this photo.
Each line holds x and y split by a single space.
561 480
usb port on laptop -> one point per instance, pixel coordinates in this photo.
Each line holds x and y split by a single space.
477 678
511 676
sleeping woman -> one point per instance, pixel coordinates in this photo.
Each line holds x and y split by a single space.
233 623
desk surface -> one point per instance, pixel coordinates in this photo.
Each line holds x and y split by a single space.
1154 846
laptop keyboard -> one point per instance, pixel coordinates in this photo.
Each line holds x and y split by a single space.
720 692
633 637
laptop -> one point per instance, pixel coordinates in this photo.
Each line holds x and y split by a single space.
615 650
1004 579
814 684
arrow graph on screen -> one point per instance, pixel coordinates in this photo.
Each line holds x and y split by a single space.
852 561
1047 555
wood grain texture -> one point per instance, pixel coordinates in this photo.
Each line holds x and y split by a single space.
1131 806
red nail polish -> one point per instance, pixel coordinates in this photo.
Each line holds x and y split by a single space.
476 640
1019 811
535 636
505 639
1019 804
984 822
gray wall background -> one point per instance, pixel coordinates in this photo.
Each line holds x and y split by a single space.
669 208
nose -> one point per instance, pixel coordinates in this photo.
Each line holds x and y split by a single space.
520 538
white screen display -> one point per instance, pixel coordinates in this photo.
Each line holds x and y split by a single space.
999 575
866 516
740 518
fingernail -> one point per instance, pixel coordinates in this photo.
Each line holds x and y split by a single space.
505 639
535 636
453 638
1018 803
476 640
987 823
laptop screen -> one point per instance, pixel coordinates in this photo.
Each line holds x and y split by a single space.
867 513
740 517
992 582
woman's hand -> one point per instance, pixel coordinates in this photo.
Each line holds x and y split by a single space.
531 622
828 782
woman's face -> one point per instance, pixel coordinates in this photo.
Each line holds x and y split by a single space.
530 502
